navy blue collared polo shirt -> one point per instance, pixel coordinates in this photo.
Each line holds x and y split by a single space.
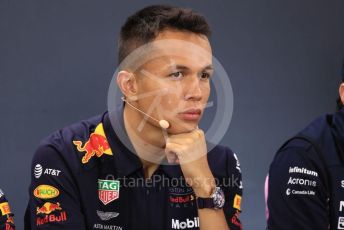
306 178
86 176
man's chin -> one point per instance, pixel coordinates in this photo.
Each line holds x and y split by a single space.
182 128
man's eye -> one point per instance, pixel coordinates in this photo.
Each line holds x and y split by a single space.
205 75
176 75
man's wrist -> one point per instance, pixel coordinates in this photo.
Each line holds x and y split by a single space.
204 190
216 201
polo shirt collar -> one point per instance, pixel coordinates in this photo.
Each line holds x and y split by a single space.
126 161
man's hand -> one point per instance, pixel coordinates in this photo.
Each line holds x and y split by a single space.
190 151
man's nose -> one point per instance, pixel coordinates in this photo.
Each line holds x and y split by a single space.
193 89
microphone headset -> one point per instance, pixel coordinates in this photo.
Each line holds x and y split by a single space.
163 123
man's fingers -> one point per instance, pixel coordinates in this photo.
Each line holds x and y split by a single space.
186 138
170 151
185 147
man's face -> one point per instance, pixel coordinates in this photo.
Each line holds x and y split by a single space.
173 84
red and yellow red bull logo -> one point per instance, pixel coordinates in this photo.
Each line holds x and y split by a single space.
97 145
6 210
48 208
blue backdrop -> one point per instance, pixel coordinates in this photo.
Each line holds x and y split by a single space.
57 58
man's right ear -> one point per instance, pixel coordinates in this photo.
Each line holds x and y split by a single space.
126 81
341 92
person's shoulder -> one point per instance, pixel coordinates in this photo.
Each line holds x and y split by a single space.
61 145
80 129
296 150
2 196
297 145
219 152
223 160
302 143
298 153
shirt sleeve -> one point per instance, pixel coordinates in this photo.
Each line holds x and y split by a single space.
53 193
233 190
6 215
297 194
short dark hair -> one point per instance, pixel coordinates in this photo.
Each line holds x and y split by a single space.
145 25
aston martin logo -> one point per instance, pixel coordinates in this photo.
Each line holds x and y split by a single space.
107 215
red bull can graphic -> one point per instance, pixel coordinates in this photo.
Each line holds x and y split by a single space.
97 145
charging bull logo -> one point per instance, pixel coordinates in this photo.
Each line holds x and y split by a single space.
48 208
97 145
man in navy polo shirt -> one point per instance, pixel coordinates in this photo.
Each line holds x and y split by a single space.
306 178
6 215
137 167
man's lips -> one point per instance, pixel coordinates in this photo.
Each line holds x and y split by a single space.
190 114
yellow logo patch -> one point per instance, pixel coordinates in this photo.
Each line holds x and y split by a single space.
5 208
237 202
46 192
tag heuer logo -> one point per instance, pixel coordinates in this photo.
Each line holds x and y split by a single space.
108 190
